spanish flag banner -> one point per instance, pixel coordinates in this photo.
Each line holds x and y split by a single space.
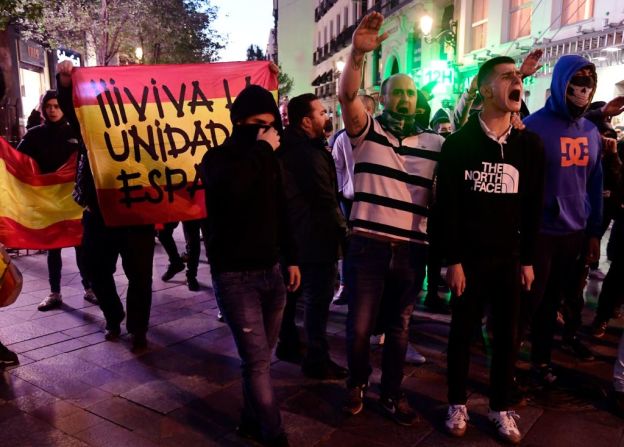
147 128
37 210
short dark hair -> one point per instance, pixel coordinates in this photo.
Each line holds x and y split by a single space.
370 100
488 67
299 107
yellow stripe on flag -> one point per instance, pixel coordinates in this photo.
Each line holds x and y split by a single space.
36 207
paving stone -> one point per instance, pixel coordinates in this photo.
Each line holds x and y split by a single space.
126 413
304 431
159 395
89 397
38 342
27 431
77 422
56 410
572 429
23 331
104 354
107 434
44 353
80 331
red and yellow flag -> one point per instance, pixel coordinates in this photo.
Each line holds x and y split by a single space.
147 128
37 210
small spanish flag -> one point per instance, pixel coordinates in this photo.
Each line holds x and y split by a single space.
37 210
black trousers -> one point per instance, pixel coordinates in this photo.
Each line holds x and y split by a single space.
135 245
192 230
55 264
556 258
612 293
494 283
165 237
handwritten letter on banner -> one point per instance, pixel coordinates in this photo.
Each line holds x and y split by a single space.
147 128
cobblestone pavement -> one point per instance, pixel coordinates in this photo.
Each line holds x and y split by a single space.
75 389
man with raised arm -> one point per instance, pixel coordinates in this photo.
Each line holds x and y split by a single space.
394 167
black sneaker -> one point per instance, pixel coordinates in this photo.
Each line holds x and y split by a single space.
139 342
328 370
354 402
7 357
543 375
574 346
172 270
249 430
192 283
280 440
599 328
112 333
398 409
290 354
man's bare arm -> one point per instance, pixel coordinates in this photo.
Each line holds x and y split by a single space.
365 39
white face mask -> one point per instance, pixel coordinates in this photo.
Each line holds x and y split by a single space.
579 92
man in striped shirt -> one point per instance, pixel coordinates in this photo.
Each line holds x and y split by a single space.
395 161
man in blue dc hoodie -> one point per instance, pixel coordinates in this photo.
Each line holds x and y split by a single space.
572 210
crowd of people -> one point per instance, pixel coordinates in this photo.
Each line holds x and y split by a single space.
513 203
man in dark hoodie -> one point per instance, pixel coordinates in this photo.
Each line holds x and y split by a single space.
248 231
104 245
572 210
489 193
51 144
319 226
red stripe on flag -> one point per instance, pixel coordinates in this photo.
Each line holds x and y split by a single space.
67 233
26 170
90 81
182 208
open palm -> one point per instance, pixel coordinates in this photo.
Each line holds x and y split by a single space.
366 36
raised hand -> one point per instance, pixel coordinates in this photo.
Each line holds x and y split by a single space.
269 135
531 64
366 36
614 107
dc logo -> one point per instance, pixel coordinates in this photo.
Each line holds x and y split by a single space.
574 152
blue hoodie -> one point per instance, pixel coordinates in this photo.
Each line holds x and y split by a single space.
572 148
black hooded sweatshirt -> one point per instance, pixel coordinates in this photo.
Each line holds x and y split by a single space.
245 197
489 195
50 144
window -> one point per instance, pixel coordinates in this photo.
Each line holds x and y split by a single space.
356 8
519 18
346 16
479 24
325 36
319 40
331 29
573 11
338 29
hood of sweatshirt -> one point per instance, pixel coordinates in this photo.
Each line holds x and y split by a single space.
565 68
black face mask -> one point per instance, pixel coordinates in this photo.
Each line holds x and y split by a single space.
247 133
444 134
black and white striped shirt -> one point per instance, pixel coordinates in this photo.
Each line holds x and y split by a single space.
393 182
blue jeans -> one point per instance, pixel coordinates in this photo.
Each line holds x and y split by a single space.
317 289
252 304
393 271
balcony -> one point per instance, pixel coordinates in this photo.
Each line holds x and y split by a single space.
322 9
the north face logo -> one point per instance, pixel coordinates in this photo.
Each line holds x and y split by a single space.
574 152
494 178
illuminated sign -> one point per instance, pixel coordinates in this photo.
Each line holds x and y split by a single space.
438 71
63 54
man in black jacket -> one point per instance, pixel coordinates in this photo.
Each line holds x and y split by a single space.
51 144
103 245
319 226
248 231
490 186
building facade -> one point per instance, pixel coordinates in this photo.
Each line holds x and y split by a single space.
590 28
295 30
428 58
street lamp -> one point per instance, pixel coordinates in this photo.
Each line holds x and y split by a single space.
426 24
138 52
340 65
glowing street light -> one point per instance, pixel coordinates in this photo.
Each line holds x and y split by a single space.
426 24
138 52
340 65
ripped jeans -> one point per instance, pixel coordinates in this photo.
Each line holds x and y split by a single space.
252 304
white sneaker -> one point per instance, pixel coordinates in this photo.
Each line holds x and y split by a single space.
377 339
52 301
456 419
505 422
413 356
